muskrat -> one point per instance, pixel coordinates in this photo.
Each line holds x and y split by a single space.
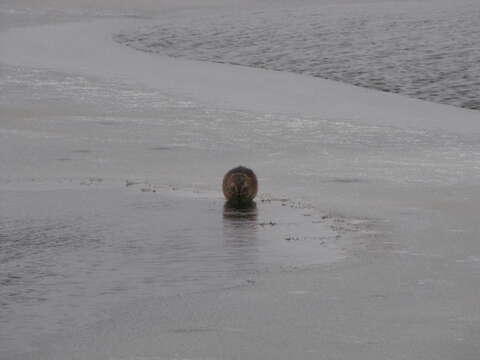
240 185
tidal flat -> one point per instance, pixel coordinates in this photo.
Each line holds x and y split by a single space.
114 239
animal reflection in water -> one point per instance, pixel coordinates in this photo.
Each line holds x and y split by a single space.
244 213
240 224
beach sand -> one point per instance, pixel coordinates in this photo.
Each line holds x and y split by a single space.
364 243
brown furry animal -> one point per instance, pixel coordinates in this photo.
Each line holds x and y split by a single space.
240 185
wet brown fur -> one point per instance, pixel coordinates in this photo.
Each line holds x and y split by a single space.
240 185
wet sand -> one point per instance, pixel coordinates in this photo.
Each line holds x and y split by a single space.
116 244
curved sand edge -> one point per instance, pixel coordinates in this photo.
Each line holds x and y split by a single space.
88 48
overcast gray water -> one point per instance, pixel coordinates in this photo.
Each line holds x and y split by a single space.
428 50
68 255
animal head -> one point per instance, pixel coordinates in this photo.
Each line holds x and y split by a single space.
240 184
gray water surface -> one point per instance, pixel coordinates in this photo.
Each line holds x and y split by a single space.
428 50
68 255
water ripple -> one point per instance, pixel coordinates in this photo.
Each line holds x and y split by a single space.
426 50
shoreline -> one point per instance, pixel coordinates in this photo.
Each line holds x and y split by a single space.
248 88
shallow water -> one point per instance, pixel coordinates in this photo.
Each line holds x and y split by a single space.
67 255
427 50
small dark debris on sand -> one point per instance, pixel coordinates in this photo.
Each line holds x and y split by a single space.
130 183
91 181
292 238
269 223
149 189
268 200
